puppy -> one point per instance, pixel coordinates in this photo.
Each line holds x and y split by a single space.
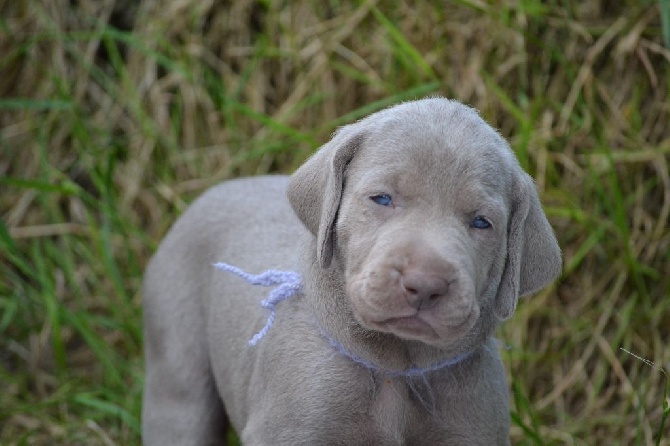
357 300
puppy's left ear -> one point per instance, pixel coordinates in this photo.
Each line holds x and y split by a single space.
533 255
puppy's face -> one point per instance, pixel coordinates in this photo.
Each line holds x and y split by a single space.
422 231
434 224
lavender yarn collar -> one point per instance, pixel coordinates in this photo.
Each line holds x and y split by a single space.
408 373
288 285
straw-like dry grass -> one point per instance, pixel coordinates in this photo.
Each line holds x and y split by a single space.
114 114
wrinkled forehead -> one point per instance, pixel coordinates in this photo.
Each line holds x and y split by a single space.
453 152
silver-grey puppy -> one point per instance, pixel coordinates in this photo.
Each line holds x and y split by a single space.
414 232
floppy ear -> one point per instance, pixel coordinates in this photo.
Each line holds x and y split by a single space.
315 189
533 255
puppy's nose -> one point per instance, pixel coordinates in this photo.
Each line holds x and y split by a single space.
423 289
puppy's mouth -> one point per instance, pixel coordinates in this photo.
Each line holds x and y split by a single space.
407 324
422 326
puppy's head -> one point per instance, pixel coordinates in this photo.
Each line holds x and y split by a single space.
431 219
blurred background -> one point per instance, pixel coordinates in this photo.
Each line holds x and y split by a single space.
115 114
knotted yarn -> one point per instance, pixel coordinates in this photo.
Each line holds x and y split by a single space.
290 284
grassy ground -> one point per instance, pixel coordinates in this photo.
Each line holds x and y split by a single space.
116 114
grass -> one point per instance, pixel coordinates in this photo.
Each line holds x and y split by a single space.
115 115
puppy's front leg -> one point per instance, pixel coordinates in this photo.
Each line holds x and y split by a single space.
181 403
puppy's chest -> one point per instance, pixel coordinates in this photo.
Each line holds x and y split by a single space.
402 409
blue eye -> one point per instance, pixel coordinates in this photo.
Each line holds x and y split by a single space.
382 199
480 223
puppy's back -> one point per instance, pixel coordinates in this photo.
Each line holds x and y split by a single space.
247 223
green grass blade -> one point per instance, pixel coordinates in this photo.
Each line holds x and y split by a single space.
108 408
412 93
10 250
591 242
406 50
665 22
523 407
64 187
34 104
45 278
524 132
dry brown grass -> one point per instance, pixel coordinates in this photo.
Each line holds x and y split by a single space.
114 114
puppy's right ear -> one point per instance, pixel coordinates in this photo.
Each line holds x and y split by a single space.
315 189
533 254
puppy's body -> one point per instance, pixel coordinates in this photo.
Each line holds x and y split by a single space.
401 286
